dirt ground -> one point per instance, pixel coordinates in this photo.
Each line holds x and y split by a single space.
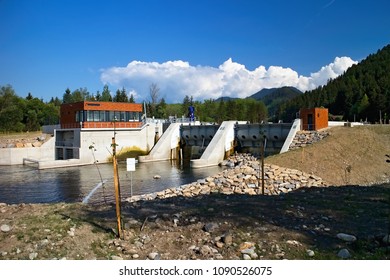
348 156
302 224
298 225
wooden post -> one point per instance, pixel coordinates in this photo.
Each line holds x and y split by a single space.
117 189
262 165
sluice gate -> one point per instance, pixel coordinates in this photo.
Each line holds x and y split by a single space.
208 145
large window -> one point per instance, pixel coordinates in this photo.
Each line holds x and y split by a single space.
117 116
111 116
89 116
79 116
106 116
96 116
102 116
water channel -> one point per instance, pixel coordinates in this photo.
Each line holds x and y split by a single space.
26 184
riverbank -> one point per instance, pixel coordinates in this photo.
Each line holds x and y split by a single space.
243 177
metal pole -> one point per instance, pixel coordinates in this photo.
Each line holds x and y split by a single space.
117 189
131 183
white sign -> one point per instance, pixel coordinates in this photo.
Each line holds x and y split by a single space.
130 164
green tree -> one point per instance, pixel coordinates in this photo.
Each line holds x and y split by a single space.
81 94
32 123
51 114
29 96
98 96
106 95
221 112
56 101
131 99
364 103
256 111
160 109
11 110
117 96
67 97
123 95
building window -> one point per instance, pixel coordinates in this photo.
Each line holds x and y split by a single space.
89 116
96 116
111 116
102 116
106 116
79 116
117 116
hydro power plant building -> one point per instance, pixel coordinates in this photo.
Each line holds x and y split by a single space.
88 114
89 124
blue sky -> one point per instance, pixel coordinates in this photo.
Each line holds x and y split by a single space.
201 48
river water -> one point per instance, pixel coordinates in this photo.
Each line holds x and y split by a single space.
26 184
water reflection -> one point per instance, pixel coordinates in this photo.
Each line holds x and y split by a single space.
26 184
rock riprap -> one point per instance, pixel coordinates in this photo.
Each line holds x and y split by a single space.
242 177
304 138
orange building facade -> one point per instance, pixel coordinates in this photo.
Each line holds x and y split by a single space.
95 114
314 118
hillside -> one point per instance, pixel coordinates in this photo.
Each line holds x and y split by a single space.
270 93
361 93
271 97
274 97
348 156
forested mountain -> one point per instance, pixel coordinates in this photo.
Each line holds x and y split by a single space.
361 93
274 97
271 93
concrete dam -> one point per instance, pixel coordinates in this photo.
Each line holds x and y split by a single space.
209 145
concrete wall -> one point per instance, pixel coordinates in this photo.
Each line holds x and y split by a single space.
11 156
169 140
219 145
249 136
49 129
291 135
142 138
334 123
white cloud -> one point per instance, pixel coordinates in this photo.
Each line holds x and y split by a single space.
176 79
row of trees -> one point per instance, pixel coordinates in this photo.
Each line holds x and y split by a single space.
25 114
215 111
30 113
82 94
